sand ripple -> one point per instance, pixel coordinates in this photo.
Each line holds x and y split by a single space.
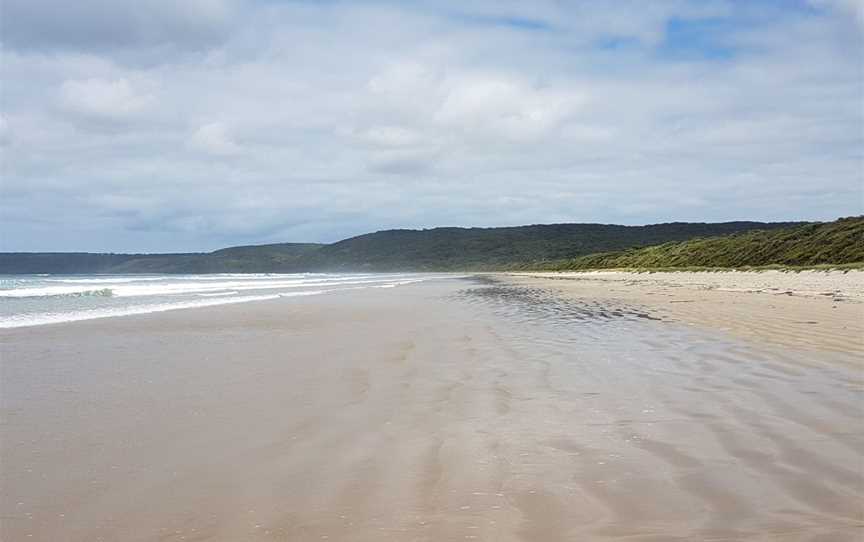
451 411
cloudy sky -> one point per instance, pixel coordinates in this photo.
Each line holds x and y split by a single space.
157 125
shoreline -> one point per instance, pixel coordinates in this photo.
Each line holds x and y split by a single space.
820 310
441 410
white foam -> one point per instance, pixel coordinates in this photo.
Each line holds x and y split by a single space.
106 296
108 279
57 318
115 280
130 289
54 291
398 283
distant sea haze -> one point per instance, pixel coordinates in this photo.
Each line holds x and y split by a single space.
32 300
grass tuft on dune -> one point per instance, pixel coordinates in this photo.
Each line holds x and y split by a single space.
831 245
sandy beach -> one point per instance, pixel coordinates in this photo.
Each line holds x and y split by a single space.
821 310
507 408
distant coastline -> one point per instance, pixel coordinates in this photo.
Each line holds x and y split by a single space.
438 249
831 245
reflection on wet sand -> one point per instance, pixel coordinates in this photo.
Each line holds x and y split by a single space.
444 411
735 441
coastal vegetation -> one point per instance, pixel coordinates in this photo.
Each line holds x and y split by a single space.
437 249
838 244
555 247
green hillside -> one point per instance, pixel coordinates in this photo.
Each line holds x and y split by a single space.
834 243
278 258
457 249
438 249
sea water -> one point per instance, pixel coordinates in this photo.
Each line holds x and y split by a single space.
31 300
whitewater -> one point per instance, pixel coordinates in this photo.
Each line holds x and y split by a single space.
33 300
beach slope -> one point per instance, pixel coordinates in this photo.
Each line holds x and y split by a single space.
475 409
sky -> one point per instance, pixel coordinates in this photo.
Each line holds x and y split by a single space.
159 126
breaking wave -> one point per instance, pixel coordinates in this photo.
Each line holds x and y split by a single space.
27 320
128 287
24 293
28 300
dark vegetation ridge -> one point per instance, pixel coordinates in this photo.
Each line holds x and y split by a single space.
438 249
838 243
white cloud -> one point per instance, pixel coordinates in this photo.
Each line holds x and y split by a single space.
391 136
325 125
504 107
106 98
5 131
214 138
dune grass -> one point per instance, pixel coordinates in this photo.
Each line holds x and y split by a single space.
831 245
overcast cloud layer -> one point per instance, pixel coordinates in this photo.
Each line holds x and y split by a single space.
172 126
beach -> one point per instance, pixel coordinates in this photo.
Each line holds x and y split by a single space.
532 407
822 310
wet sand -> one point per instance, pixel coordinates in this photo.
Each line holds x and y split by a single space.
819 310
449 410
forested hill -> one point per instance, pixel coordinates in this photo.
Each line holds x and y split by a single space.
833 243
438 249
494 248
283 257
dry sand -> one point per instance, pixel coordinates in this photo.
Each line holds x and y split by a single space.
425 414
822 310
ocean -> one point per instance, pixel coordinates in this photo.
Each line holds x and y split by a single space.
32 300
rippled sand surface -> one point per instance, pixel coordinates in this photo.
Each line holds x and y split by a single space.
820 310
453 410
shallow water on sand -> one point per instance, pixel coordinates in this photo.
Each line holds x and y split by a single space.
675 431
447 410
